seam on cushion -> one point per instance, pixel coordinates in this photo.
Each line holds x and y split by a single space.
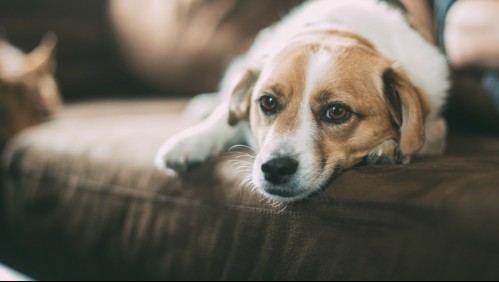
115 190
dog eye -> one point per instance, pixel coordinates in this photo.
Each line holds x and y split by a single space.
268 104
337 114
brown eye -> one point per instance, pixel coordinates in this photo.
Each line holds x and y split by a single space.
268 104
337 113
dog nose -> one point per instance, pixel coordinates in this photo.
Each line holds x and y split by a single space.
276 170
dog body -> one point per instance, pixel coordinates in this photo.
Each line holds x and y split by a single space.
335 83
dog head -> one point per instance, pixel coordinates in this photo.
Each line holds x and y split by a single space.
324 103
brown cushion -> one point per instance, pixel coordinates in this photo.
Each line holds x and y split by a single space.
83 200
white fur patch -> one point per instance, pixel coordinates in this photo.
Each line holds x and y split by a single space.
318 66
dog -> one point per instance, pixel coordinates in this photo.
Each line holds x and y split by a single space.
333 85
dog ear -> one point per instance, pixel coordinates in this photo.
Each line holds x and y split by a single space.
408 109
240 97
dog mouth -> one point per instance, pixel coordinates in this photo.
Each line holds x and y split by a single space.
285 196
308 180
287 193
281 193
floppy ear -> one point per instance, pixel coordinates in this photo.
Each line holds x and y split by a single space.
408 109
240 97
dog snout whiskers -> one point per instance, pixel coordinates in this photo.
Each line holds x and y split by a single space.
277 171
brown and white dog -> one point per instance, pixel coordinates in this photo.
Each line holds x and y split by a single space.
334 84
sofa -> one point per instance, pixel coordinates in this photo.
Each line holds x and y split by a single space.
80 199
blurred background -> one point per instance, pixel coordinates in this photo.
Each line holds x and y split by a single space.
138 47
128 48
88 59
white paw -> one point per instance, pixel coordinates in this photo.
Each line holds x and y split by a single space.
187 149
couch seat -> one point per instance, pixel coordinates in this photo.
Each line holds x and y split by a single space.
82 200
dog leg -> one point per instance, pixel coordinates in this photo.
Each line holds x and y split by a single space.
200 142
201 106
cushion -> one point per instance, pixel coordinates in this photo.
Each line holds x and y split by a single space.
83 200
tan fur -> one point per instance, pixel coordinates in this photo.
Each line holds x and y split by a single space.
28 95
415 110
296 72
355 80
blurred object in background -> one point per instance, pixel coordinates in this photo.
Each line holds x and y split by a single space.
471 108
468 31
7 274
28 90
88 59
185 45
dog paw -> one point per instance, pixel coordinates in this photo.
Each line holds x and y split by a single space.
385 154
186 150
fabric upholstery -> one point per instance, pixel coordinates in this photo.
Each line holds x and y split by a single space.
84 201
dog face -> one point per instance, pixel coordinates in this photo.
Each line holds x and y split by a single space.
321 105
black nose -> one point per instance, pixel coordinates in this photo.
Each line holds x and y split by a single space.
277 170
